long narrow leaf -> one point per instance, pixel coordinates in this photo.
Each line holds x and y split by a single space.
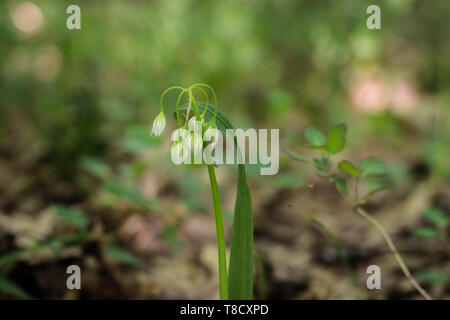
241 256
240 279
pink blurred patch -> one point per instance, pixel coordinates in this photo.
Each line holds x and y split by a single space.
368 93
404 97
142 234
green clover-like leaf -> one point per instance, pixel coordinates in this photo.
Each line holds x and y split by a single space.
336 138
322 164
348 167
341 184
315 137
372 166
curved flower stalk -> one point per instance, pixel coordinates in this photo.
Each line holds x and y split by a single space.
236 279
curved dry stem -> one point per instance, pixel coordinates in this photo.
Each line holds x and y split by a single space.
394 251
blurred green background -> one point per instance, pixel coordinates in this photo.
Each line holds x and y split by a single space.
76 109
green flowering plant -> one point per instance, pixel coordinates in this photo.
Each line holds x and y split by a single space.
369 175
192 135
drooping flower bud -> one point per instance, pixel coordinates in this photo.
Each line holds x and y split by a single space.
211 132
195 143
159 124
179 152
180 134
195 125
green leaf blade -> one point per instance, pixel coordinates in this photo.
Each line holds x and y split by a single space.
294 155
315 137
434 277
341 184
336 138
437 217
95 166
72 216
426 233
372 166
123 256
322 164
240 286
347 167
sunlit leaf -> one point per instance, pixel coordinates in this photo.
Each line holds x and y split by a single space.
336 138
319 148
348 167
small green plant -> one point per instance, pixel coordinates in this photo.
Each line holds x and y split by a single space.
356 182
237 281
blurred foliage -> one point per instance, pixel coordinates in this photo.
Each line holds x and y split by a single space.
78 105
267 59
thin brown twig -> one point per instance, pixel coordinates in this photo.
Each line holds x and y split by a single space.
394 251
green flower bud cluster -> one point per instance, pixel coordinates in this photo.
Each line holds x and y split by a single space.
195 133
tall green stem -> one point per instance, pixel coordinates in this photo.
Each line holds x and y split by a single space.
220 235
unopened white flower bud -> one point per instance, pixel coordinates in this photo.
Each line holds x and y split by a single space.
211 134
195 142
195 125
159 124
179 152
180 134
